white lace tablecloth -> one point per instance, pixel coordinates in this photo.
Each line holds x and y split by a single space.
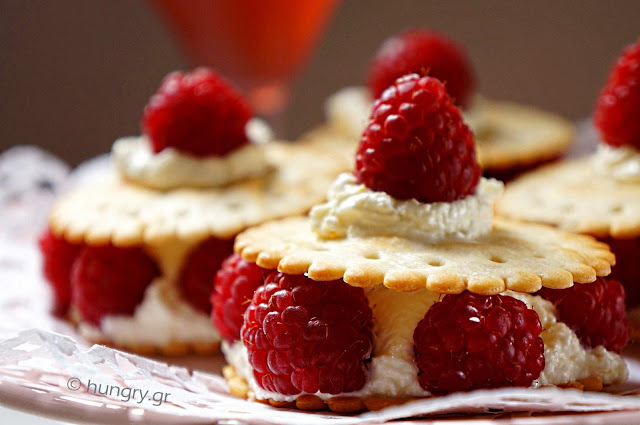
40 354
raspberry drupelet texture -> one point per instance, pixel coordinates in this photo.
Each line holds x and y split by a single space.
198 113
108 280
233 290
594 311
304 336
57 258
425 53
416 144
469 341
199 271
618 106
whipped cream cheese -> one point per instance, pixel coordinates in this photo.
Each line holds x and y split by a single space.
393 372
170 168
163 317
566 360
622 163
348 111
156 322
354 209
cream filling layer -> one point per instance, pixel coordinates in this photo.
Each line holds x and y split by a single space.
393 372
348 111
353 209
161 319
622 163
169 169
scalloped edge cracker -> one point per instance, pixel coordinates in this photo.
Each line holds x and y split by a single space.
111 210
573 196
518 135
514 256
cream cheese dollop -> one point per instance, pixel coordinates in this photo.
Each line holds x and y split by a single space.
170 168
353 209
621 163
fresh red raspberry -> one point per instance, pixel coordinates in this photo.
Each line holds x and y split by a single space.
199 271
627 270
107 280
416 144
594 311
618 106
57 258
233 289
469 341
425 53
198 113
307 336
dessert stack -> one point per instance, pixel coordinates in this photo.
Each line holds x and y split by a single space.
131 256
404 284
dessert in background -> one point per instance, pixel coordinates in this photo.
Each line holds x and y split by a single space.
599 194
510 138
403 284
131 256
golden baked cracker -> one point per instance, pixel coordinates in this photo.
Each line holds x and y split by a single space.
112 210
516 256
237 384
511 135
574 196
517 135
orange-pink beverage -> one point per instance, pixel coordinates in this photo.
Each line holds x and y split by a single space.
254 42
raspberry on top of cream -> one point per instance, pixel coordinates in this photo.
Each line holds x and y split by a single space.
197 132
416 173
348 111
616 118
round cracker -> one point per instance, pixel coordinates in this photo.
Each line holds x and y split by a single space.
574 196
513 256
112 210
512 135
518 136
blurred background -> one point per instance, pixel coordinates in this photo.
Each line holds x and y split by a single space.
76 74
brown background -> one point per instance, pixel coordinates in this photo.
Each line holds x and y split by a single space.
75 74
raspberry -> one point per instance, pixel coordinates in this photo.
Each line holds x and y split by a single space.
198 113
199 271
233 289
416 144
57 258
627 271
425 53
618 106
106 280
594 311
306 336
469 341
